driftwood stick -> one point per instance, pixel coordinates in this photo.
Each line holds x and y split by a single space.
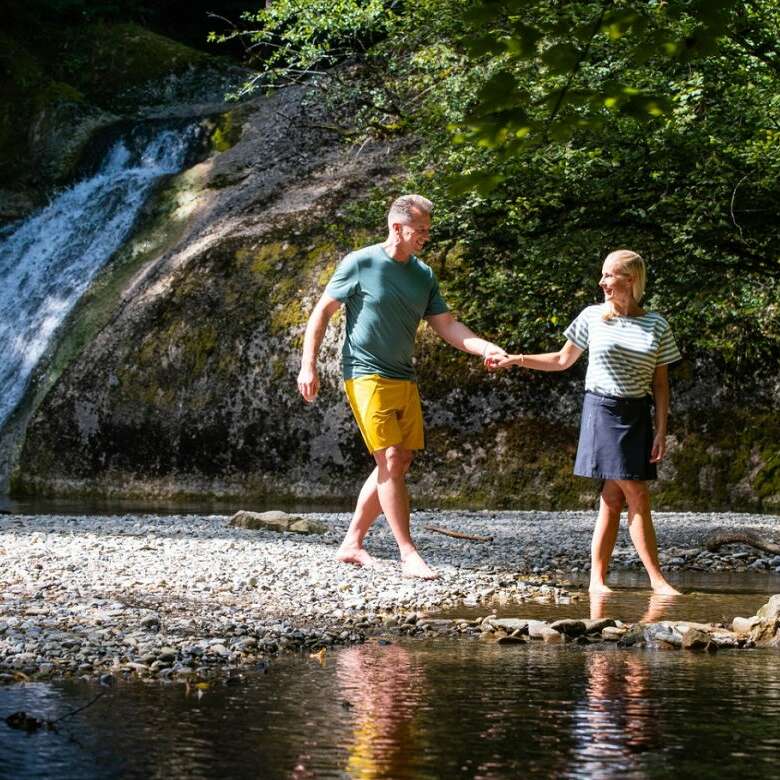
458 534
720 536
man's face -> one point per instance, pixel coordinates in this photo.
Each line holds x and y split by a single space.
415 233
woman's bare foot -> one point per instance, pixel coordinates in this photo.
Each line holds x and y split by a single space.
665 589
357 556
414 566
599 587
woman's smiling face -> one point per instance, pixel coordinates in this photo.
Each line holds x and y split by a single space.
615 282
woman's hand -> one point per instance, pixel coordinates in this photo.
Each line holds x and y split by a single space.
493 362
659 448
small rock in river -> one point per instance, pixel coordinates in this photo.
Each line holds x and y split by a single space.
569 627
697 640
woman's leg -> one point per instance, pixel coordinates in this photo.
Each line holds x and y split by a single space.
640 526
605 535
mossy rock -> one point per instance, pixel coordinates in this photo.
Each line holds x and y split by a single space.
106 60
63 126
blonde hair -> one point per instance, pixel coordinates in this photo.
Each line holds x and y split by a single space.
631 264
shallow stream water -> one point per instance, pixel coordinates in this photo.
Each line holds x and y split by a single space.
710 597
434 709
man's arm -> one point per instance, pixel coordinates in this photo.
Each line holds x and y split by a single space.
461 337
308 380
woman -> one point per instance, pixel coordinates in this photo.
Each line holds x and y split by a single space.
630 350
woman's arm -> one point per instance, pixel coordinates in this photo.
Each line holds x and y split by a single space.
661 398
550 361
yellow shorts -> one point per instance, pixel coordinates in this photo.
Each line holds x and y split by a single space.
387 411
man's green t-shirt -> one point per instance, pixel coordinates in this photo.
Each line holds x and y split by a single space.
385 300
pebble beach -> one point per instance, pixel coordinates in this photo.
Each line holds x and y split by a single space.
181 597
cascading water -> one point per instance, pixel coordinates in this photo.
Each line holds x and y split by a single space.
48 261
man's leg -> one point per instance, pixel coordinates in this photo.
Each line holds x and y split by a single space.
604 535
640 526
366 512
392 465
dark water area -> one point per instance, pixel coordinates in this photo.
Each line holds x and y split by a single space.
441 709
117 506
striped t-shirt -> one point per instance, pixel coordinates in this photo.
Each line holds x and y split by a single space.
624 351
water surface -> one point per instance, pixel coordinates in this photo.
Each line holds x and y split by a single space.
709 597
422 710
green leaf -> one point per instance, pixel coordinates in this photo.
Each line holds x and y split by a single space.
500 91
561 57
481 182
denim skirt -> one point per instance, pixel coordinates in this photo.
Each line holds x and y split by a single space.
616 438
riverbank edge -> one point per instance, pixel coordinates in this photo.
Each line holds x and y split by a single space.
52 628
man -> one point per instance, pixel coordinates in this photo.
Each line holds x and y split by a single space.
386 291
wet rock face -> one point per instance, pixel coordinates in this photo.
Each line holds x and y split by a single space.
189 385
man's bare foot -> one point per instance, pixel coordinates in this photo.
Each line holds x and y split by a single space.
357 556
665 589
599 588
414 566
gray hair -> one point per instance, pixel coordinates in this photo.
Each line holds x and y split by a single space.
403 209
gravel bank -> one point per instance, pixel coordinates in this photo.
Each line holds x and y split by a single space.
171 597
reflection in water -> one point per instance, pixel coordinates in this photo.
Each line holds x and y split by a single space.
421 711
617 720
604 605
384 690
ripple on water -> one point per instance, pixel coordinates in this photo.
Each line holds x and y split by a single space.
422 710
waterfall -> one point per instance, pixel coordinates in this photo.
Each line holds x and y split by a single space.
48 260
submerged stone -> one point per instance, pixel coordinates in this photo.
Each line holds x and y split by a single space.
512 639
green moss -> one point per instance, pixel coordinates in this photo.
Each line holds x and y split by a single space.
106 59
725 460
227 133
503 466
57 92
766 482
268 260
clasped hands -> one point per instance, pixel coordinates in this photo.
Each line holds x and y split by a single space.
495 358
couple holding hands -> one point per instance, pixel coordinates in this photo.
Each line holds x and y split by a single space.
386 290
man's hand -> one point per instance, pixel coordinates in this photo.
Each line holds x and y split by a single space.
496 362
308 384
492 355
659 448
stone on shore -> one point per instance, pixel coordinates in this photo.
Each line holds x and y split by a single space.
276 521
